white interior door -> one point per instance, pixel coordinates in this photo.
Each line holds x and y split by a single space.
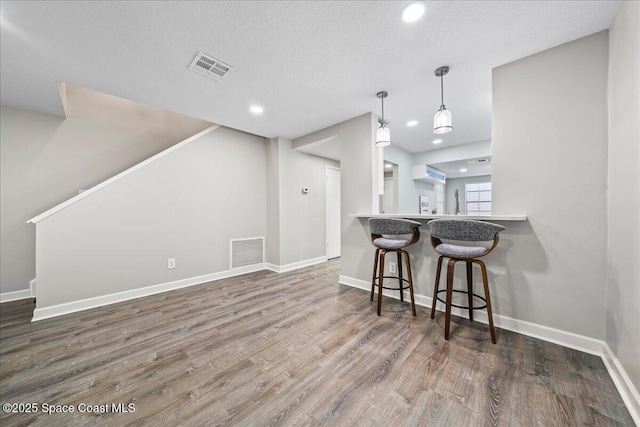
333 212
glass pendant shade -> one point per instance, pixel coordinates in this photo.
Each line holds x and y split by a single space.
442 118
442 121
383 136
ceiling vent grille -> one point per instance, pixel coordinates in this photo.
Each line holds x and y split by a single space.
471 162
210 67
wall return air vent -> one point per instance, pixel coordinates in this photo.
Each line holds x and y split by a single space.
210 67
245 252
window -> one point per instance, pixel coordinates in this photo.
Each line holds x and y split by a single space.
478 198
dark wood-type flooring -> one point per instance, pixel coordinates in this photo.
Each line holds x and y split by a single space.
291 349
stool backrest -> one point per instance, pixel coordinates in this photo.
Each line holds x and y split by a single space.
392 226
465 230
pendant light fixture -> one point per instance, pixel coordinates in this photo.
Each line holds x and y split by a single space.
383 135
442 118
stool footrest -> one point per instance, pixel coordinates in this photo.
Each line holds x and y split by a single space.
466 307
375 282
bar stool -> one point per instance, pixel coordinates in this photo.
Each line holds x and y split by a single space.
462 231
396 227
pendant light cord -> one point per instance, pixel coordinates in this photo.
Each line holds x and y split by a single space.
441 91
382 98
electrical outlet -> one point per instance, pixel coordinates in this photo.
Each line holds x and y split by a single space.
171 263
393 268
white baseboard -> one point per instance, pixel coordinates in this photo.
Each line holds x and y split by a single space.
85 304
566 339
18 295
295 265
623 383
15 295
589 345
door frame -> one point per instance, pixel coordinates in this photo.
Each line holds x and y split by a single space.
327 168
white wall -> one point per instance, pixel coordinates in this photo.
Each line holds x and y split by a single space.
300 223
45 160
407 191
358 187
272 250
22 195
186 205
549 150
623 275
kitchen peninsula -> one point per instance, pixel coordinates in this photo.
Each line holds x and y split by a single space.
435 216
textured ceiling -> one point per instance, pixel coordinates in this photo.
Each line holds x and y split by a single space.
310 64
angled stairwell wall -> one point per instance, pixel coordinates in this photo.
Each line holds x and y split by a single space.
187 203
45 160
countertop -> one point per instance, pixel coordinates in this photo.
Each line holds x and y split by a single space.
419 216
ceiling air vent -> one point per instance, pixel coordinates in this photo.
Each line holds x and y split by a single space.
210 67
471 162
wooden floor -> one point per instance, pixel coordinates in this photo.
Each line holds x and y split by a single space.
290 349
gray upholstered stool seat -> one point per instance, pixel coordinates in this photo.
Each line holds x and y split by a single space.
462 243
390 244
386 236
461 251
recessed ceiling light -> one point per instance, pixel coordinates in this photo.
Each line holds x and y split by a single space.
256 109
412 123
387 165
437 141
413 11
463 170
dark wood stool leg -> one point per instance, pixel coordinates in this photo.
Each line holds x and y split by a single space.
435 287
470 288
373 277
486 295
447 319
380 279
410 279
400 275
